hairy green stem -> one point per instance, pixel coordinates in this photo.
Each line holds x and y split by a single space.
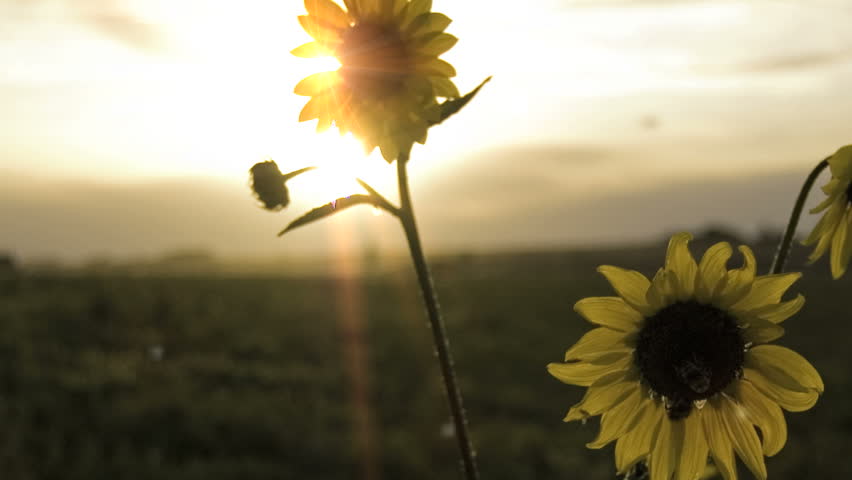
439 334
787 239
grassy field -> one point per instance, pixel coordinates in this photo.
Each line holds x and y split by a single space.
105 377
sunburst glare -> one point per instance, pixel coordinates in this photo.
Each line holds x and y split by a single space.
341 161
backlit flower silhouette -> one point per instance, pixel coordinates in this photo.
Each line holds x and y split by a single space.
385 91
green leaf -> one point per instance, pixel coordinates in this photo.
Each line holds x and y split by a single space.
451 107
329 209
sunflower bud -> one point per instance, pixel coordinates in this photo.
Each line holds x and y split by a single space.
267 183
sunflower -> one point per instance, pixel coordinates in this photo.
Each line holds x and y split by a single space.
834 229
680 367
385 91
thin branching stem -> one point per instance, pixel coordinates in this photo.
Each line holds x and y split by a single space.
442 344
787 240
381 201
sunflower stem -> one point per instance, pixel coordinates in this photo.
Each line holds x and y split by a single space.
787 239
442 344
380 199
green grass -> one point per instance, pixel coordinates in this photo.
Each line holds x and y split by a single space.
253 380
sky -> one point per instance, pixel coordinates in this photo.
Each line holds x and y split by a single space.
127 127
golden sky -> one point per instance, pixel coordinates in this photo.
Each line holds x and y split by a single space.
592 102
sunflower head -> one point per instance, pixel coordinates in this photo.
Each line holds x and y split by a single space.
387 87
680 367
834 229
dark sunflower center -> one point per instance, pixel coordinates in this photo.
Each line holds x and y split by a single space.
374 59
689 352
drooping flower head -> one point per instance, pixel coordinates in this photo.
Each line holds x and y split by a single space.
385 91
680 367
834 229
269 185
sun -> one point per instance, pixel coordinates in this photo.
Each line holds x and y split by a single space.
340 161
227 102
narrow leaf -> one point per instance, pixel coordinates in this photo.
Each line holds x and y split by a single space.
451 107
329 209
288 176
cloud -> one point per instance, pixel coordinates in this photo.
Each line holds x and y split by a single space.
803 61
555 219
498 182
626 3
111 18
128 30
78 220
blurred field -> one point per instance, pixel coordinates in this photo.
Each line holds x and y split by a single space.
105 377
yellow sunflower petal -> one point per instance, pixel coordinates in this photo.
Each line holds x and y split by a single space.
841 162
444 87
585 373
766 414
824 241
739 281
717 440
432 66
313 109
352 8
667 449
399 6
824 230
836 206
328 12
321 32
389 7
618 420
324 123
663 290
607 391
841 246
636 445
790 400
778 312
830 199
610 312
598 342
680 261
758 331
419 7
767 289
693 458
311 50
784 367
629 285
743 436
428 23
712 270
367 8
437 44
412 10
316 84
